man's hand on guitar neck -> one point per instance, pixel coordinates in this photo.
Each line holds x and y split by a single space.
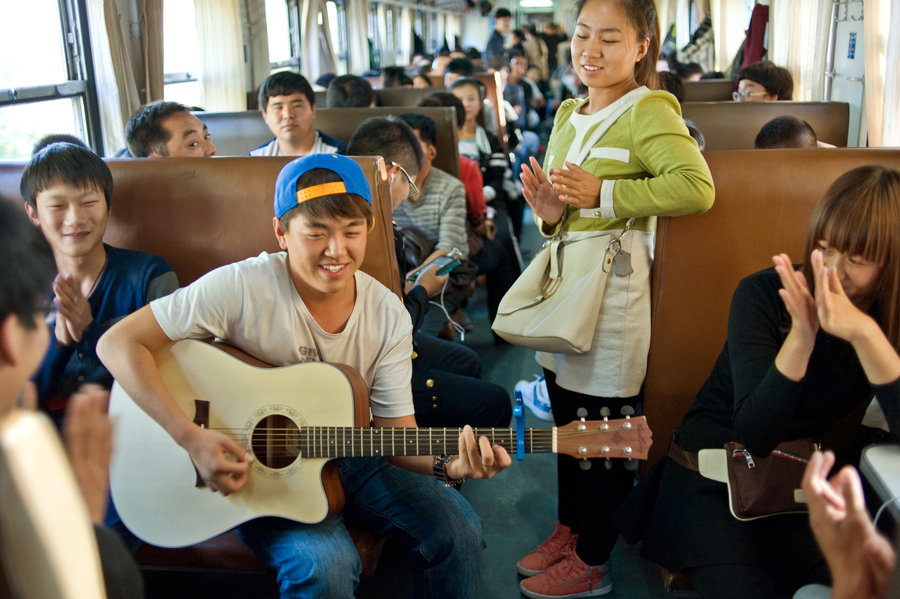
477 459
223 464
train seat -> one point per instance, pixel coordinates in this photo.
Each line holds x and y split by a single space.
734 125
763 202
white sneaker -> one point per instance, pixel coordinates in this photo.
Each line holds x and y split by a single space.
534 396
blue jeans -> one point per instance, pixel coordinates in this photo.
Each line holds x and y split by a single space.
435 525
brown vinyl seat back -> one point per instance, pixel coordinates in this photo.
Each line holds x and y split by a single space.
236 133
763 202
202 213
734 125
708 90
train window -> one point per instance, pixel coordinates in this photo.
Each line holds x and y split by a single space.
278 32
181 53
337 22
44 90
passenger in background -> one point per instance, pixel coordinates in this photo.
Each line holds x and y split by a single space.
492 250
26 270
496 44
615 180
395 77
806 350
167 130
68 194
55 138
456 68
350 91
554 36
689 71
763 81
446 377
785 132
537 52
440 62
288 106
520 95
438 210
421 78
321 84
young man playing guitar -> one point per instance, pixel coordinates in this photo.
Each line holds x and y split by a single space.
312 303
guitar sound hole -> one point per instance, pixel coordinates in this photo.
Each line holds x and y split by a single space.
276 441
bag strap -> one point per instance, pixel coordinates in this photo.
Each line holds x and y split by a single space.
627 101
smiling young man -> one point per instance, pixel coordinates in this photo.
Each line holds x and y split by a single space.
68 192
318 305
167 130
288 106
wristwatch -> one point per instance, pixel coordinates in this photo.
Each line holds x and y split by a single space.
440 471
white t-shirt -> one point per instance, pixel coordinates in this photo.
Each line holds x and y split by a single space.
254 305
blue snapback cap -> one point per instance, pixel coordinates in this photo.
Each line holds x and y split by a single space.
352 180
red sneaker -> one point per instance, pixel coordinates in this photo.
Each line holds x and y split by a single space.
549 552
569 578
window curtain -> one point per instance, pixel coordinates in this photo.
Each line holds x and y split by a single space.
881 23
128 63
729 21
453 30
221 77
407 17
791 21
258 39
357 38
316 52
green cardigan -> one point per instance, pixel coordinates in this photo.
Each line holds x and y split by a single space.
649 163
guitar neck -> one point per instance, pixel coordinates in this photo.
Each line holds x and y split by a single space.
345 442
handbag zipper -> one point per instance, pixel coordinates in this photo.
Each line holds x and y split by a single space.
775 452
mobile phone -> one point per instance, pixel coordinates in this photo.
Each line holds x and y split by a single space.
443 264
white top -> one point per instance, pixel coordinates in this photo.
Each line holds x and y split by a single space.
319 147
254 306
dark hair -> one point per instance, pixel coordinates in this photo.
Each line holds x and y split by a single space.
27 267
672 84
336 205
69 164
284 83
423 124
325 79
502 13
694 132
860 215
390 138
777 80
445 99
687 69
349 91
144 132
55 138
395 77
785 132
641 14
460 66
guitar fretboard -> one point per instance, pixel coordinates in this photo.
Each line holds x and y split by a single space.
342 442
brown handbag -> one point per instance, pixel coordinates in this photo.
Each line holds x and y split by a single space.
761 487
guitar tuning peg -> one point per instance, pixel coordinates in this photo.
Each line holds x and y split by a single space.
582 414
604 411
607 463
585 464
630 464
627 411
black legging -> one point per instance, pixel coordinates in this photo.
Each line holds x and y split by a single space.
588 498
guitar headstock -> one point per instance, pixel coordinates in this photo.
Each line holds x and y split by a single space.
621 438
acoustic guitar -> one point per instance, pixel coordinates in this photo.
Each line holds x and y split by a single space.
296 419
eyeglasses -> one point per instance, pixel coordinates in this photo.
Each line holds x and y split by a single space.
744 96
413 190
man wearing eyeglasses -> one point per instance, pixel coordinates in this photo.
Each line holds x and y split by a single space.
763 81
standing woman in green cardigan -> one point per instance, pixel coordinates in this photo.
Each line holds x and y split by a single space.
615 161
